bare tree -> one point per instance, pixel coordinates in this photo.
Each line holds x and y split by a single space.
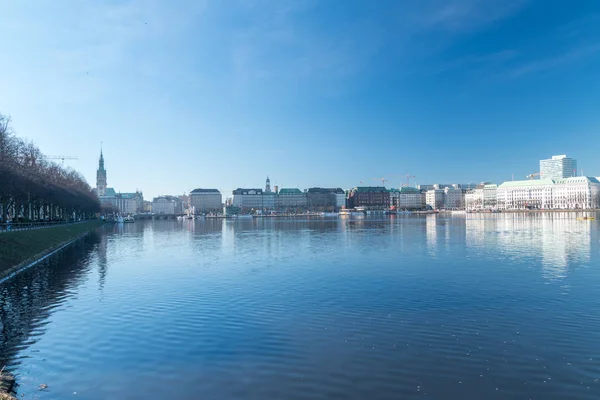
32 188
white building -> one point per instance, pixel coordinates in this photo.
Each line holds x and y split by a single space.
434 198
206 200
474 199
453 198
521 195
558 167
579 192
490 196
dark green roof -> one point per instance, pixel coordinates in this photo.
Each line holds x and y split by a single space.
205 191
110 192
408 189
369 189
290 191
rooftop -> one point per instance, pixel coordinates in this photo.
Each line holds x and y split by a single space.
205 191
369 189
409 189
326 190
530 182
246 191
290 191
577 179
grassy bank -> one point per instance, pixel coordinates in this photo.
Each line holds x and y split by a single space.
21 247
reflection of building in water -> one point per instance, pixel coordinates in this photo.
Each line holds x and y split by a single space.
102 261
565 241
558 240
431 232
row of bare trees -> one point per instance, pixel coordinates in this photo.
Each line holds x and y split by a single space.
34 188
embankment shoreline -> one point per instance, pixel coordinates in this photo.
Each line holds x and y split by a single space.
23 249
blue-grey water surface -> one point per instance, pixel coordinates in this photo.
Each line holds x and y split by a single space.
441 307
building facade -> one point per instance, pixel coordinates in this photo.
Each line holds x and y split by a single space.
521 195
127 203
410 198
169 205
490 196
290 199
558 167
579 192
249 199
474 199
206 201
325 199
453 198
369 197
434 198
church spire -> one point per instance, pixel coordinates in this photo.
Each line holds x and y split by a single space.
101 175
101 162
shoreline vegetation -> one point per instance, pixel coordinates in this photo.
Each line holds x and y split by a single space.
21 248
34 188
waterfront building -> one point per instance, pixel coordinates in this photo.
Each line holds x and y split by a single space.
325 199
369 197
147 207
126 203
410 198
474 199
434 198
453 198
109 199
490 196
290 199
394 195
167 205
206 201
248 199
558 167
580 192
521 195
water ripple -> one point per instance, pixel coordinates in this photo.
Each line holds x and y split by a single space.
494 307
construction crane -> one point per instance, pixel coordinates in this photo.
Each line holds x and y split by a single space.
408 176
382 179
61 158
532 176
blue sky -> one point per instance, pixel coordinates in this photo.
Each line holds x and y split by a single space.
188 94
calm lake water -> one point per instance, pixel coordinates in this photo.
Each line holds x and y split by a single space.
477 307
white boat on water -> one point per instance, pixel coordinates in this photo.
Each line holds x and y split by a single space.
351 213
128 219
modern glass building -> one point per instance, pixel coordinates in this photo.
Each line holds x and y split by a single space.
558 167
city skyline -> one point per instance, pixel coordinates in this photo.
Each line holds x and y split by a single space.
222 95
